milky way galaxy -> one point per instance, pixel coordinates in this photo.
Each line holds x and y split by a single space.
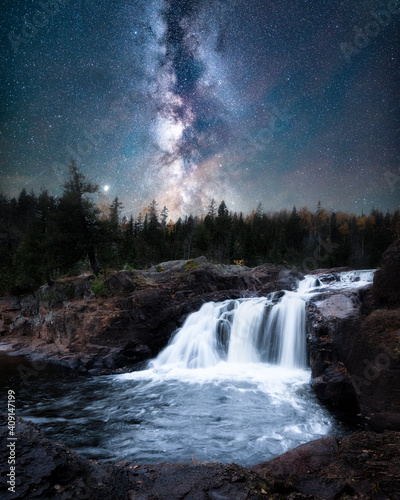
283 102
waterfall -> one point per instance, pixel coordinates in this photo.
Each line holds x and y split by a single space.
232 386
284 336
195 344
246 329
266 329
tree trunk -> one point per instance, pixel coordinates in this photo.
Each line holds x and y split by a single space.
94 263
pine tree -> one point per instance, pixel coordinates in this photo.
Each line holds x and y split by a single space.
128 243
35 260
164 216
78 220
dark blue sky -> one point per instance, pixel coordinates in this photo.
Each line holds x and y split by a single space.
279 102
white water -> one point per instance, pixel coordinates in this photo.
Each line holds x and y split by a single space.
243 331
232 386
349 279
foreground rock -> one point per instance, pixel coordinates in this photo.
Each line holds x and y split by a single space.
133 315
363 465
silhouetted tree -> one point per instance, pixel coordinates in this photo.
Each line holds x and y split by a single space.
78 220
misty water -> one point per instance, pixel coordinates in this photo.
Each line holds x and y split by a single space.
231 386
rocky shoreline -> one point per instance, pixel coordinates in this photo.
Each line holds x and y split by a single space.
354 350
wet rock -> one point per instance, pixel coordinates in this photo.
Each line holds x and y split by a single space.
333 320
335 388
45 469
341 305
272 278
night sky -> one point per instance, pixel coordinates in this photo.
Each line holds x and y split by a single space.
281 102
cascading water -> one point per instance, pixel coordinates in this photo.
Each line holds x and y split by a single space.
232 385
243 331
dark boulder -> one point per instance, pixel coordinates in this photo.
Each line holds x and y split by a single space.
332 322
386 285
120 282
335 388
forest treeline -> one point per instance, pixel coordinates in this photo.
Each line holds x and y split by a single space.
43 237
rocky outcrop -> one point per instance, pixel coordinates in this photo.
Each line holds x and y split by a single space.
355 361
386 286
363 465
132 316
355 358
375 369
332 322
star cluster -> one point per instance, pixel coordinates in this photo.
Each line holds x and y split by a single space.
282 102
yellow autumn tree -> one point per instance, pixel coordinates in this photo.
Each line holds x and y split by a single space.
104 205
170 227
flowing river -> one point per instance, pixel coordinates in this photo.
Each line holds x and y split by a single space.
231 386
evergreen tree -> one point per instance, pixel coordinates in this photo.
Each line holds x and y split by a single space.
128 249
34 260
294 232
212 210
164 217
201 238
222 233
110 235
78 220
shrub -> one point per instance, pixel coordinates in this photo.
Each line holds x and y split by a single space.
128 267
98 286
